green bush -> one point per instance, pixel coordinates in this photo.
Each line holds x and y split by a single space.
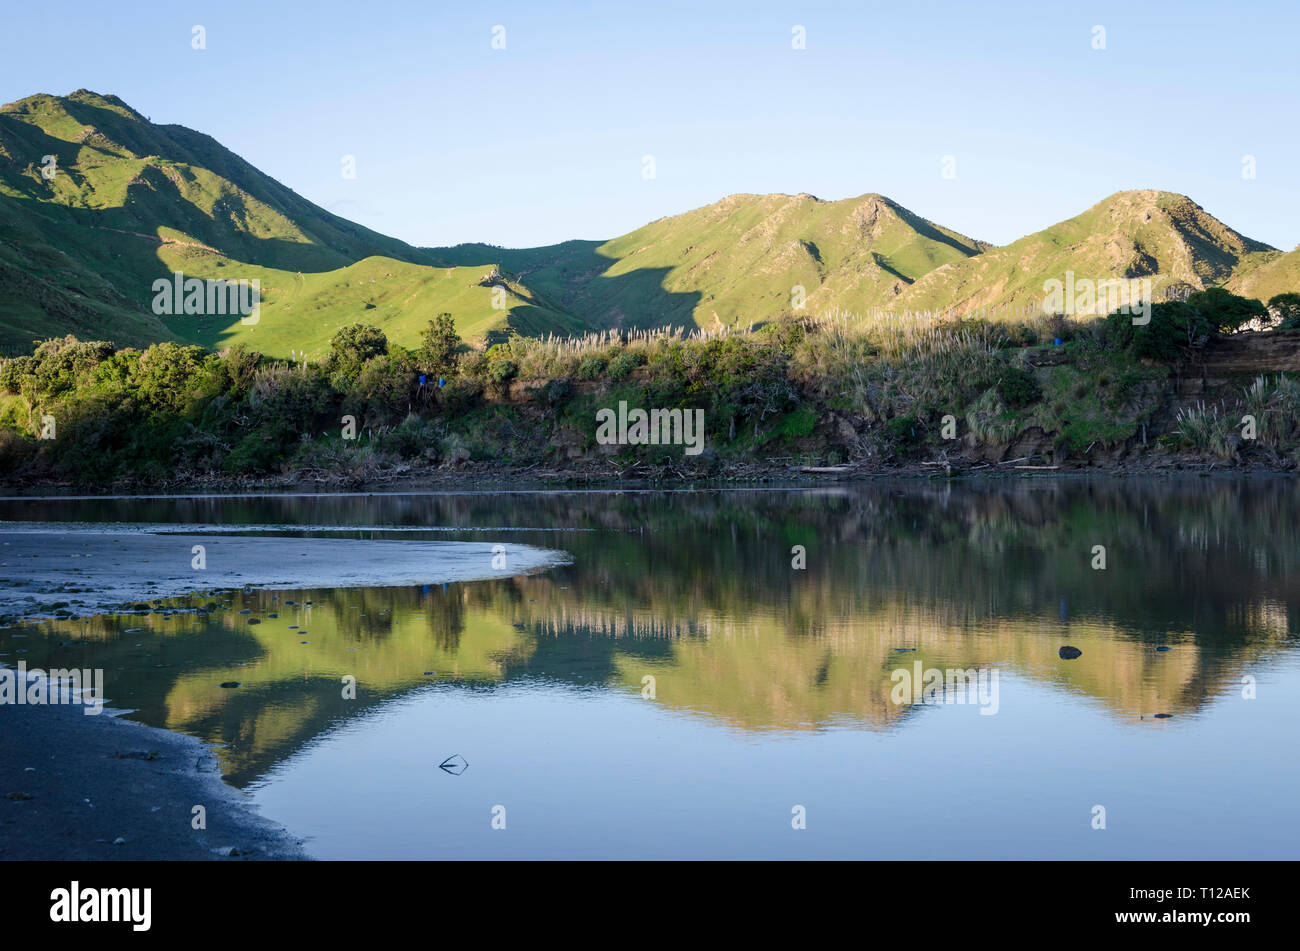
555 392
1224 310
1173 328
256 452
502 370
351 347
623 364
439 353
460 395
589 369
1019 387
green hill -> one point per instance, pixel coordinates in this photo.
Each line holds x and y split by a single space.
1135 234
131 201
1267 275
737 261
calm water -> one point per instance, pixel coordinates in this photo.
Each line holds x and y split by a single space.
773 687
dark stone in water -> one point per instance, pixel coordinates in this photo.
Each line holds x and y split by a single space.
273 615
1163 716
231 684
904 650
1164 648
1069 653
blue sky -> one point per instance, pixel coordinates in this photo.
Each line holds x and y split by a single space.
545 140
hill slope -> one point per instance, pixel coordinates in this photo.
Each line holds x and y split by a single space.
131 201
1135 234
737 261
1267 275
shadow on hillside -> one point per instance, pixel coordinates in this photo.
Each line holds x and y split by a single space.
572 277
118 250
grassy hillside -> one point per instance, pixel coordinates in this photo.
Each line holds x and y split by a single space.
737 262
132 201
1267 275
301 311
1134 234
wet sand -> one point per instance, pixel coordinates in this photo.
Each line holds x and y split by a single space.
78 787
92 570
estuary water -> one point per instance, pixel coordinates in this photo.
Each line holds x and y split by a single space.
870 671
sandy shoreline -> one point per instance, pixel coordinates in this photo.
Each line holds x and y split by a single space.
85 571
83 788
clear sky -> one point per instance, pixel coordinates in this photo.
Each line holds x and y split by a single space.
545 139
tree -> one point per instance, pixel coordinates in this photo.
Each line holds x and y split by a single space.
1287 308
1175 327
352 346
439 353
1224 310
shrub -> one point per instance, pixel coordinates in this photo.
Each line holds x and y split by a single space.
555 392
502 370
460 395
256 452
351 347
1019 387
386 385
903 431
1173 328
623 364
591 368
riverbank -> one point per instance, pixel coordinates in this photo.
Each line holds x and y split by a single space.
793 398
493 477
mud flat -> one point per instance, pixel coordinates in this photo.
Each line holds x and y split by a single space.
89 570
77 787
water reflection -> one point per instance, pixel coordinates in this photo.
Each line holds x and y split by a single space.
697 591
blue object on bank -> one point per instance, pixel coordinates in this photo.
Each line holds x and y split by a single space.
423 379
441 381
1056 341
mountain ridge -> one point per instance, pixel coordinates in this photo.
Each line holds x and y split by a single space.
173 198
